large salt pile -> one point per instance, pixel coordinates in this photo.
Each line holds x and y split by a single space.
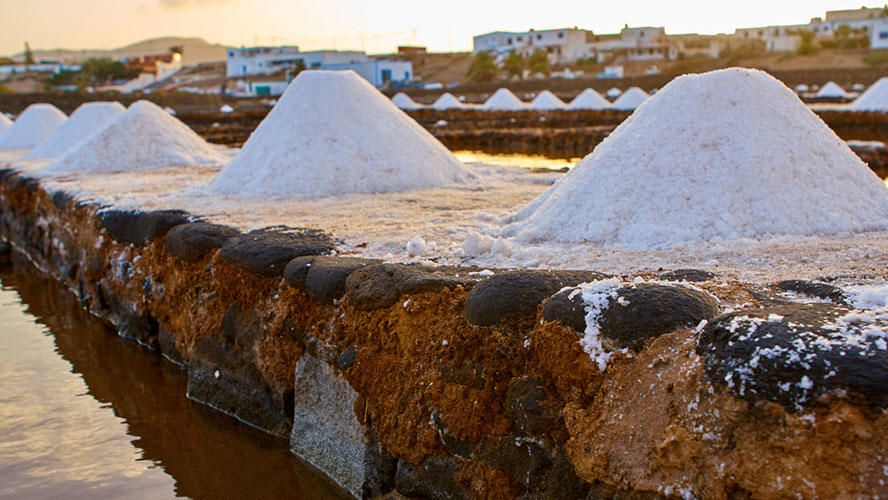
5 122
546 101
144 137
503 100
404 101
32 127
832 89
631 99
721 155
589 99
875 98
85 121
447 101
333 133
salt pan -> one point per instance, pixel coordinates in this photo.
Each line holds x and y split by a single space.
503 100
589 99
31 127
85 121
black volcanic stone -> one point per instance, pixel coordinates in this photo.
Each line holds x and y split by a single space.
691 275
190 242
138 228
794 354
243 328
434 479
524 458
525 405
61 199
323 276
567 306
814 289
348 357
267 252
381 285
515 295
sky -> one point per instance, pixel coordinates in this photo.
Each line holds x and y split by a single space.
377 26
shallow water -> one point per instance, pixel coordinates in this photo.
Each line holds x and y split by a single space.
85 414
516 160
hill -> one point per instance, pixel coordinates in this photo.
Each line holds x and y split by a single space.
195 51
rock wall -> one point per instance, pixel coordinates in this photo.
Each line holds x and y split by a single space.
445 383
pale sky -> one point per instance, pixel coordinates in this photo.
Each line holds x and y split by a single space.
375 26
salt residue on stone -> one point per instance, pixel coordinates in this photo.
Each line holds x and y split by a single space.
722 155
333 133
589 99
503 100
831 89
5 122
546 101
447 101
631 99
142 138
869 296
403 101
874 98
596 297
86 120
31 127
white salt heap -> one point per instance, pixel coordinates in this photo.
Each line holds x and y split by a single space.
722 155
613 93
86 120
404 101
142 138
631 99
874 98
545 101
503 100
447 101
5 122
333 133
832 89
31 127
589 99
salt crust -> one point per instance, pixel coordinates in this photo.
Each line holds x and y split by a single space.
546 100
86 120
723 155
875 98
403 101
447 101
589 99
503 100
631 99
142 138
31 127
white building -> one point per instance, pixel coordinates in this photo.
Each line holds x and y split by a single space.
41 67
250 61
379 72
786 38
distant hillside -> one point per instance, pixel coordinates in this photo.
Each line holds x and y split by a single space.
195 51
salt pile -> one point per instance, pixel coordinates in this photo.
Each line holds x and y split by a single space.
589 99
832 89
545 101
503 100
333 133
85 121
31 127
142 138
721 155
5 122
404 101
631 99
447 101
802 88
874 98
613 93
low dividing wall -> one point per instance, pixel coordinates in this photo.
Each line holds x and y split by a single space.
446 383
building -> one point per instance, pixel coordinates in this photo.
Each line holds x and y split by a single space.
379 72
251 61
41 67
873 21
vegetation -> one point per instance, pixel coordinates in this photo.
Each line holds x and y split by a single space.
876 57
515 64
482 69
98 71
65 77
539 63
807 46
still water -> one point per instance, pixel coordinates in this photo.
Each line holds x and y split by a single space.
84 414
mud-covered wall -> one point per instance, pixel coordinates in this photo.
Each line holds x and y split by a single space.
448 383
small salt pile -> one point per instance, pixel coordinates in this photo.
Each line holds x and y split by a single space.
86 120
503 100
142 138
31 127
832 89
613 93
226 108
546 101
802 88
631 99
403 101
5 122
589 99
332 133
447 101
721 155
874 98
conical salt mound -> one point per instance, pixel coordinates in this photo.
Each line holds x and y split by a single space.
333 133
832 89
32 127
631 99
142 138
546 101
875 98
447 101
614 92
85 121
589 99
503 100
5 122
404 101
721 155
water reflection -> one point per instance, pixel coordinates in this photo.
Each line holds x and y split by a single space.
516 160
94 416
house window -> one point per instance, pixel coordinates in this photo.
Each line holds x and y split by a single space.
560 35
519 38
539 37
509 41
386 75
883 35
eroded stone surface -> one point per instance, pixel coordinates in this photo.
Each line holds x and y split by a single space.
268 251
190 242
690 275
814 289
138 228
323 276
379 286
433 479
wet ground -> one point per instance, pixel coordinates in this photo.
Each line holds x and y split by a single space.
84 414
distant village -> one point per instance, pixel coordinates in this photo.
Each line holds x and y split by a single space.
547 53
